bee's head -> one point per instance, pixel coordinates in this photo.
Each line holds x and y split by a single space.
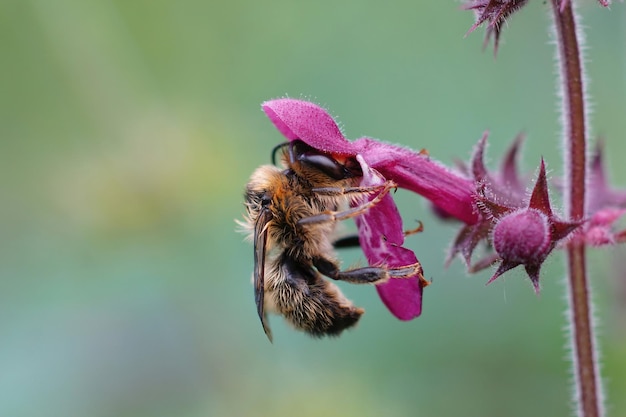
318 167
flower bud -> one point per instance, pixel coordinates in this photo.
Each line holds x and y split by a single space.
523 237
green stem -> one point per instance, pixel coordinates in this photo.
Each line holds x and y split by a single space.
574 114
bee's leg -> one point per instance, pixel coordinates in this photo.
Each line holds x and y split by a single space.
353 190
330 216
352 241
366 275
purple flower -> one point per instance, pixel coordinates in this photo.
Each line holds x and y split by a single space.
493 207
381 236
527 235
520 230
381 233
606 206
496 12
450 191
602 195
504 186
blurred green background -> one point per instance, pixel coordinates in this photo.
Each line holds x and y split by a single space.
128 130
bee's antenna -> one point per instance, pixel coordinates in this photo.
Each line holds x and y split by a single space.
275 150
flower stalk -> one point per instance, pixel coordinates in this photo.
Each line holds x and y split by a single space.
587 395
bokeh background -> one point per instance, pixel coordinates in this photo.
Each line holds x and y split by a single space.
128 130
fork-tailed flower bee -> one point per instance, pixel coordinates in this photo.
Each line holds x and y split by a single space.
291 218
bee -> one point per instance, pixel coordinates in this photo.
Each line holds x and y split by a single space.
291 218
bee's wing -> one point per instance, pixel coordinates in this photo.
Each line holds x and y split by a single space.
260 244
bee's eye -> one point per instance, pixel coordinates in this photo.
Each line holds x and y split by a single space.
266 200
312 158
326 164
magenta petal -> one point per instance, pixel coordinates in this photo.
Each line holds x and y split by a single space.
606 216
381 235
448 190
297 119
403 297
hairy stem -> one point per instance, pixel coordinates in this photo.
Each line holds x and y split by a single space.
588 395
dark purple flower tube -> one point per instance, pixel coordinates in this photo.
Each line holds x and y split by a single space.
449 191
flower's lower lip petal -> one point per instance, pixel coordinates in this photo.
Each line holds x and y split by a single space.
403 297
381 246
381 235
297 119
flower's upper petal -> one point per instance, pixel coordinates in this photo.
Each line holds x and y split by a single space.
297 119
381 235
448 190
451 192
